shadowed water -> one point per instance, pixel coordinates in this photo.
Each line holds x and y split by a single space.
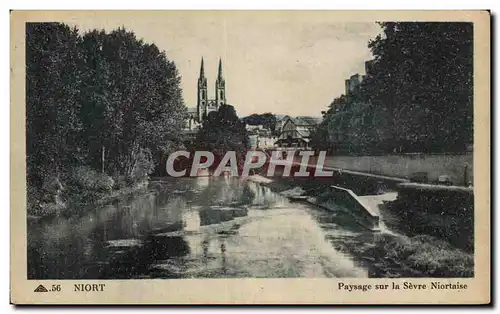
201 227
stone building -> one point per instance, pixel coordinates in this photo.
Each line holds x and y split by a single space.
353 83
204 104
296 132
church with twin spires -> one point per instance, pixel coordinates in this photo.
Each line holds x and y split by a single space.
205 105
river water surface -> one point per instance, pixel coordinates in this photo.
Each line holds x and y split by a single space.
202 227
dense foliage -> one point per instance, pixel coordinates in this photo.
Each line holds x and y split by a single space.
223 131
418 96
97 95
267 120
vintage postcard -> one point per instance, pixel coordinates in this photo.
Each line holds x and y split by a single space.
250 157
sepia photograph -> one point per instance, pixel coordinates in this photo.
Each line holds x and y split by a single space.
174 145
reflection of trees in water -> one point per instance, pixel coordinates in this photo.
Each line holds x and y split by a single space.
204 246
203 191
247 195
191 220
78 246
223 254
165 247
137 261
224 190
264 196
221 249
174 213
125 220
61 247
58 260
210 216
202 182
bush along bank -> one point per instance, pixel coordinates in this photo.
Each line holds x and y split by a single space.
445 212
419 256
82 186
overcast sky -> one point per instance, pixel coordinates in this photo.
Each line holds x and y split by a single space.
280 62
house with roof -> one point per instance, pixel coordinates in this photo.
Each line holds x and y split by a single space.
280 121
296 131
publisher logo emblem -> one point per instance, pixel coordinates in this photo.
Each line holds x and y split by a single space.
41 288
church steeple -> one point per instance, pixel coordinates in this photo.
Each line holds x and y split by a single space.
202 69
219 76
202 92
220 87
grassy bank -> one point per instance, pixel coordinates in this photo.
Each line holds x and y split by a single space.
440 211
80 188
422 256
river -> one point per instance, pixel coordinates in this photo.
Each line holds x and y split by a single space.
203 227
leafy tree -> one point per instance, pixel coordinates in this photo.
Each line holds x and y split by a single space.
147 108
267 120
223 131
53 78
100 93
417 96
320 138
423 73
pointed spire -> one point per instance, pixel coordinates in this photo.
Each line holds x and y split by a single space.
219 77
202 69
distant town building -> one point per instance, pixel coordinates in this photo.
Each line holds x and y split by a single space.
296 132
258 141
352 83
192 120
260 137
252 128
280 122
370 67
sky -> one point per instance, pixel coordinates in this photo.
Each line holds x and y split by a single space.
282 62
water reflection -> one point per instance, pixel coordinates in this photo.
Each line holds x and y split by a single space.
192 221
194 227
217 215
263 196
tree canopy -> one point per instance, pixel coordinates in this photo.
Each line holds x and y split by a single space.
94 94
417 96
223 131
267 120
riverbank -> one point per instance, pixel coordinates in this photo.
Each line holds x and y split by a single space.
60 205
391 252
